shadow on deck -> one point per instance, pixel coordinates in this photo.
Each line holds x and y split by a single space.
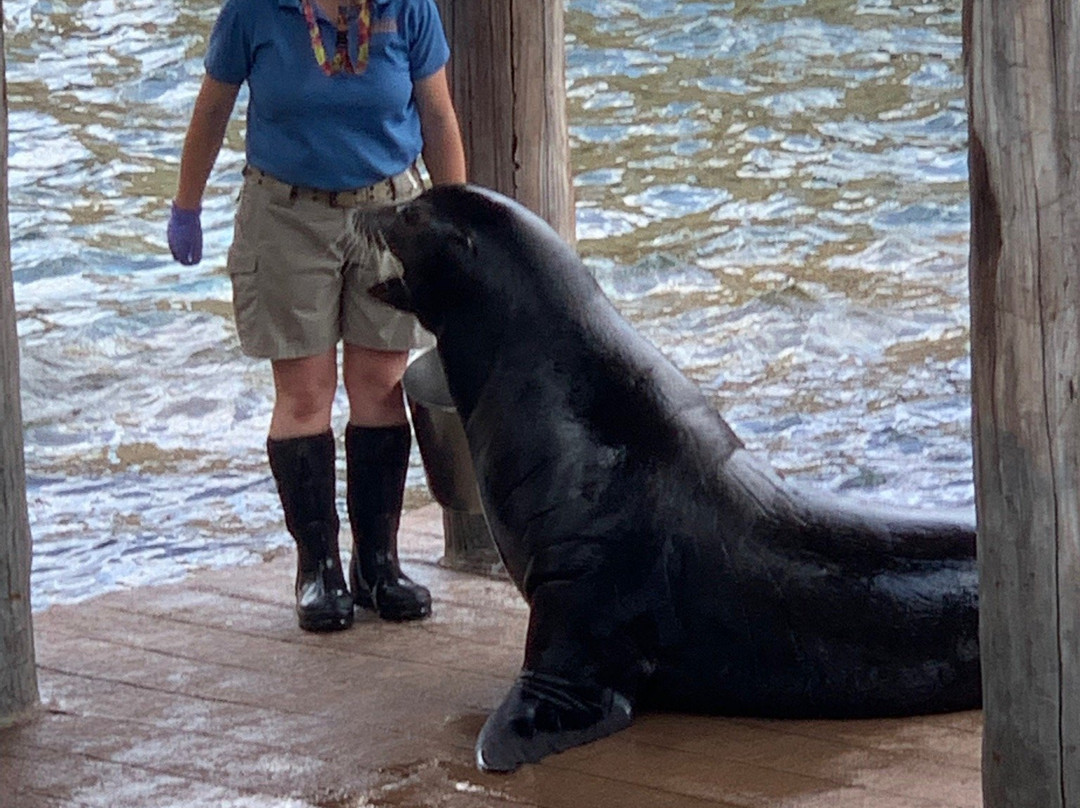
205 693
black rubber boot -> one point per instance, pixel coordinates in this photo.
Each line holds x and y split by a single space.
304 471
378 459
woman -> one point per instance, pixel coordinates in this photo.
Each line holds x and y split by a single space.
343 100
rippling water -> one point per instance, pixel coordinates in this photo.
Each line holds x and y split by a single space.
775 193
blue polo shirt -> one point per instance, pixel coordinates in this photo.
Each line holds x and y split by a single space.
331 132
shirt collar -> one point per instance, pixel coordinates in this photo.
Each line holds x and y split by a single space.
296 3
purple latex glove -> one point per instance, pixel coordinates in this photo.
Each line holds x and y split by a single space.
185 235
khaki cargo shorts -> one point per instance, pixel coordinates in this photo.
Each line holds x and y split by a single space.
301 266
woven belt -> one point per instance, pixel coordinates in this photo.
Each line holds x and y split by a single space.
400 186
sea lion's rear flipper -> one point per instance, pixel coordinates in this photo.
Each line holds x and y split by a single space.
543 714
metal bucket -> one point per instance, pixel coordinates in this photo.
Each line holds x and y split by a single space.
448 466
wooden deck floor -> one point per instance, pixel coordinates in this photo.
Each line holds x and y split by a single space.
205 693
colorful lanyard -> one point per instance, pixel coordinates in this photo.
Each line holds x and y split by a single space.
342 62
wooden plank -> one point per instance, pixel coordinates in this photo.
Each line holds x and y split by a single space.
916 773
713 776
431 647
302 683
35 799
83 782
951 744
808 747
208 758
213 678
1024 102
277 755
484 636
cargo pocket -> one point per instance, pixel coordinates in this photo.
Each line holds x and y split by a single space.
242 265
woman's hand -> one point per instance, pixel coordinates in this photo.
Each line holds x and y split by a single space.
185 235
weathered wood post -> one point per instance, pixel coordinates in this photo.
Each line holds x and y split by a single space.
508 78
1023 76
18 677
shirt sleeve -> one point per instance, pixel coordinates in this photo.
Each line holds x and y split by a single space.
428 49
228 53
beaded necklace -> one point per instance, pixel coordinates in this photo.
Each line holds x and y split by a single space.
342 62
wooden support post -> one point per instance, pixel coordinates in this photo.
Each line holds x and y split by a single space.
1023 76
508 78
18 677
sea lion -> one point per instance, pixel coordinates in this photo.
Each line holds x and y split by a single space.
664 565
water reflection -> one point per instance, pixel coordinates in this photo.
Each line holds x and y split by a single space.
774 192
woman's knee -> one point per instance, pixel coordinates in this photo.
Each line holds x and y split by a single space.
304 406
373 384
305 388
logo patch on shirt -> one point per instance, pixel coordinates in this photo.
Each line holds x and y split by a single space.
387 25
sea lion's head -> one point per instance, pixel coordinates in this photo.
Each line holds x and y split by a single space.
468 254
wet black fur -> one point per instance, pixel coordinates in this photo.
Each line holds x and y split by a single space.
661 560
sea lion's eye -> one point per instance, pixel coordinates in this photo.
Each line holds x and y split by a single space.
410 214
463 241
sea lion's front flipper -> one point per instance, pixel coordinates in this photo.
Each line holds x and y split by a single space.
581 671
543 714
